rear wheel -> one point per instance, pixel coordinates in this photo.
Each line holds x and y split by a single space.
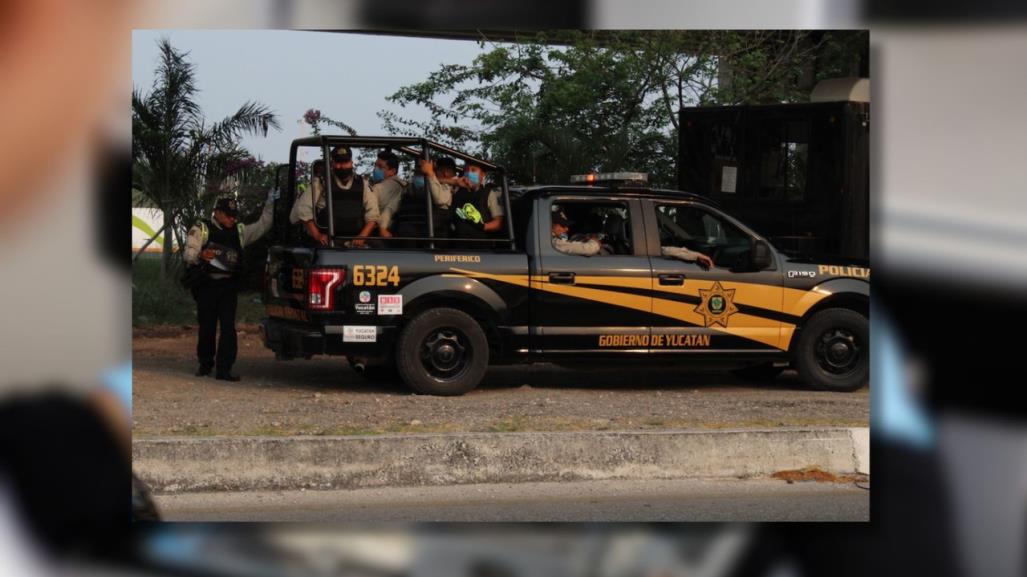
834 351
442 352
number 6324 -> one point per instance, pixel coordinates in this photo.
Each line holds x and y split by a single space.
375 275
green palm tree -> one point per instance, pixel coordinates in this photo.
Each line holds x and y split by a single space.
176 155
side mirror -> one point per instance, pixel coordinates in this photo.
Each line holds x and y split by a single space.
761 257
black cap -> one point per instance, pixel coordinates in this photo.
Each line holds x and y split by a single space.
342 154
227 205
561 219
390 158
445 162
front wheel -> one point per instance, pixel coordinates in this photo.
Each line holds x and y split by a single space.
442 352
834 351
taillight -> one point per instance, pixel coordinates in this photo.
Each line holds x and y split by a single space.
321 285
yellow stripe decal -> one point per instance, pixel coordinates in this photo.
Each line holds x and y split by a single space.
763 330
798 302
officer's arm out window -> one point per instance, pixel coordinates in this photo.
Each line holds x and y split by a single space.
698 230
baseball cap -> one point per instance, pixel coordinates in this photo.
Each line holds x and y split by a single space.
342 154
561 219
227 205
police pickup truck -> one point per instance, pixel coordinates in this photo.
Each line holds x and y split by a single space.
438 311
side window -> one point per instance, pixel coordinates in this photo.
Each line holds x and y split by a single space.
784 156
694 228
608 223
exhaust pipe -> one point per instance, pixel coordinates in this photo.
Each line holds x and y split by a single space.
359 364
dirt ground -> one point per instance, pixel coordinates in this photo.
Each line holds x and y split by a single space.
323 396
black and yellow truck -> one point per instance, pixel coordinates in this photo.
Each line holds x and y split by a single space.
438 311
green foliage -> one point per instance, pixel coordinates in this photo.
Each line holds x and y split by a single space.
567 102
179 162
159 303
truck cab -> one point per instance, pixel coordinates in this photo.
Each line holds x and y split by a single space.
437 310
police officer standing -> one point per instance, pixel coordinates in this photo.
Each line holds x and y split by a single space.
216 247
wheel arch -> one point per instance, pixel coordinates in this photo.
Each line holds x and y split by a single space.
467 295
847 294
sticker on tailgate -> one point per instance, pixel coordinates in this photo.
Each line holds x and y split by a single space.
390 304
359 334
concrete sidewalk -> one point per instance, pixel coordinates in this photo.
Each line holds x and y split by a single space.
175 465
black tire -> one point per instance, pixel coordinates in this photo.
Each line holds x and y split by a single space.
833 351
442 352
758 373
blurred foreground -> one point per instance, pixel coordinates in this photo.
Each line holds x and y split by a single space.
950 230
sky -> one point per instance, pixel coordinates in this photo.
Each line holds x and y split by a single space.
346 76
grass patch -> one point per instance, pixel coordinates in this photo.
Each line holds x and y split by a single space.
167 303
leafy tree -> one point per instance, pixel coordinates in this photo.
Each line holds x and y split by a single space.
554 104
178 158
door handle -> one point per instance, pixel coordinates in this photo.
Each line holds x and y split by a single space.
672 279
561 277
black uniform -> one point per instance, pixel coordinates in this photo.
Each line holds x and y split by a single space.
347 209
216 297
468 227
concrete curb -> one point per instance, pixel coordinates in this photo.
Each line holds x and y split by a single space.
171 465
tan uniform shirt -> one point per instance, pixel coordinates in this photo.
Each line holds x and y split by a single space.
442 196
590 247
250 233
680 253
389 194
304 207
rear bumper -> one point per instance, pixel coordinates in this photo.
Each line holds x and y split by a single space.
290 340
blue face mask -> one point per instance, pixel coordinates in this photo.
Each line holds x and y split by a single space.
473 178
562 236
419 182
377 175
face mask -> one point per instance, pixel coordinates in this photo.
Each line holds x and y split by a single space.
473 178
377 175
562 236
344 173
419 183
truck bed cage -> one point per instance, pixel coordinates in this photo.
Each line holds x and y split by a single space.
417 147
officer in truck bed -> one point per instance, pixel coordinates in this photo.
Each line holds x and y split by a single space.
477 208
355 207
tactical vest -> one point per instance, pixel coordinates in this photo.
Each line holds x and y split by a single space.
227 243
347 208
475 205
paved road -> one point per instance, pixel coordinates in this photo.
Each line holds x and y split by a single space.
691 500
